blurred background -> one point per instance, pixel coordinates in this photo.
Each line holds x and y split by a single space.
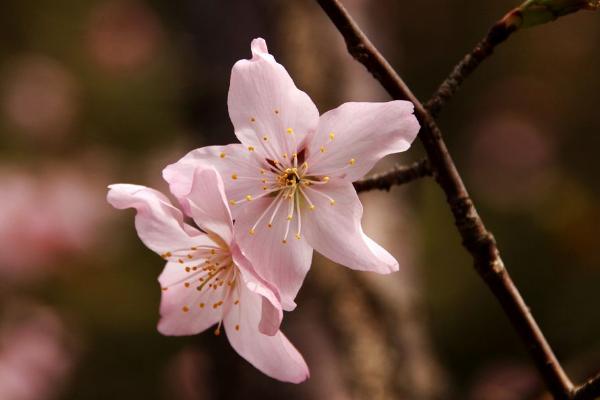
96 92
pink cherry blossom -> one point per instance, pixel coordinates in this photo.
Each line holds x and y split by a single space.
289 181
207 280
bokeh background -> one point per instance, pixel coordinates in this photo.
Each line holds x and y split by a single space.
97 92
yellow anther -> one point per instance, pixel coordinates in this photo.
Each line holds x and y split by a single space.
264 188
165 289
262 171
237 327
213 251
252 231
269 225
222 155
187 284
284 241
331 136
332 202
276 111
290 130
250 148
289 217
352 161
201 305
234 176
232 202
189 256
298 236
312 207
322 149
252 119
294 156
187 269
193 248
185 309
180 261
217 331
236 302
249 197
325 179
284 156
265 138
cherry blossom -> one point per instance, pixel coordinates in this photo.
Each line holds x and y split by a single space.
207 279
289 181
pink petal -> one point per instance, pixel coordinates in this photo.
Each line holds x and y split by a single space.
274 355
264 101
159 225
353 137
335 230
184 310
272 313
208 204
230 161
283 265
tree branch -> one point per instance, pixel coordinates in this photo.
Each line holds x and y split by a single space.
398 175
528 14
478 241
499 32
589 390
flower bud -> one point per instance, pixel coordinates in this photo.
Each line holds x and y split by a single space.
537 12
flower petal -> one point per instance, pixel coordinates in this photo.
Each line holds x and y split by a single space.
159 225
272 313
353 137
264 103
184 310
239 168
273 355
283 265
335 230
208 204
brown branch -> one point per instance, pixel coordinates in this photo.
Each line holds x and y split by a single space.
589 390
499 32
529 13
476 238
398 175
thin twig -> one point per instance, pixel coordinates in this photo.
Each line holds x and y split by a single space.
499 32
476 238
398 175
589 390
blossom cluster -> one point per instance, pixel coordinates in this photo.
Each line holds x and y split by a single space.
240 242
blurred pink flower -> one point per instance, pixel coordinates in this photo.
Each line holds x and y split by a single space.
46 217
39 97
511 160
505 381
36 357
291 176
123 35
207 279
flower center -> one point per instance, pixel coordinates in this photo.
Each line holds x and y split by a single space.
289 178
207 270
284 178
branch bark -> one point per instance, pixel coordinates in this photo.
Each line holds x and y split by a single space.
478 241
588 390
499 32
398 175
